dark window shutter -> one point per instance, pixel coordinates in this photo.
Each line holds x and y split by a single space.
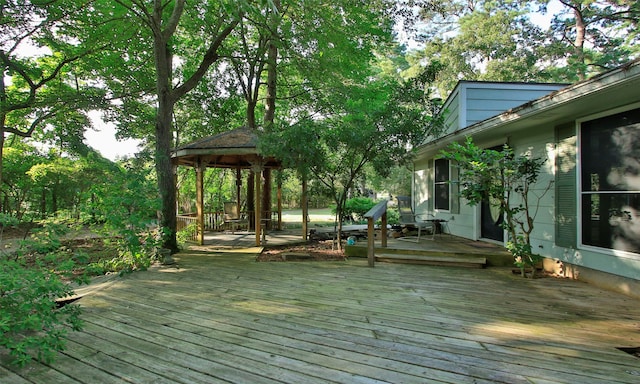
455 188
565 186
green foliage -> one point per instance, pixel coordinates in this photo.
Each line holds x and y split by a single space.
496 177
356 207
186 234
32 325
523 255
393 216
377 125
502 41
127 210
44 239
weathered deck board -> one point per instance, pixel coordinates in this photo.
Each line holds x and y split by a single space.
402 332
225 318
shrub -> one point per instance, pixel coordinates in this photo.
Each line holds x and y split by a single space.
32 324
355 208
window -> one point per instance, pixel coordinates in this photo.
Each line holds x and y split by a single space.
441 184
610 182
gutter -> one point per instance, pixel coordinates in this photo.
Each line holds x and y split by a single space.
554 100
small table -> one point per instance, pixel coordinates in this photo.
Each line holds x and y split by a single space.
439 225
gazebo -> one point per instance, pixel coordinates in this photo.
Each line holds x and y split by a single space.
236 149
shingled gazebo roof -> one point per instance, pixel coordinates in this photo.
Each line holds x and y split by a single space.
232 149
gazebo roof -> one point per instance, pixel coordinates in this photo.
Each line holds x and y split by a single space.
232 149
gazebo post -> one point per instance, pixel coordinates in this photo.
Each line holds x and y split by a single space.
200 167
305 209
266 197
279 193
175 184
257 171
238 188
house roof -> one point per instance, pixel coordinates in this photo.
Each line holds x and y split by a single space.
606 91
237 148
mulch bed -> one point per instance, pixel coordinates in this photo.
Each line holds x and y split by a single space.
313 251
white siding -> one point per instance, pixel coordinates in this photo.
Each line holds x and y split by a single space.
421 179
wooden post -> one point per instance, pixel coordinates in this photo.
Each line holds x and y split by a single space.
238 190
279 193
305 209
383 230
266 197
257 172
370 241
175 182
200 201
251 196
378 211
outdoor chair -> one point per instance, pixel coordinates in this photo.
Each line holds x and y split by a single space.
232 217
409 220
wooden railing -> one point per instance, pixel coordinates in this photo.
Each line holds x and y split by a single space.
213 221
379 211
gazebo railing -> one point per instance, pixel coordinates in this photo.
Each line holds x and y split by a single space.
214 221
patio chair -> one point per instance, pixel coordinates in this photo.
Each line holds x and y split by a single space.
408 219
232 217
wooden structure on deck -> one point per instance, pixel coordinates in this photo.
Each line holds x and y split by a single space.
236 149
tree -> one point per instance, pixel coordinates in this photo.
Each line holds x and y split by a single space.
377 125
498 41
169 25
506 181
36 88
592 36
18 187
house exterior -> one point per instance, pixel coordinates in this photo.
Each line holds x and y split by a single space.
587 224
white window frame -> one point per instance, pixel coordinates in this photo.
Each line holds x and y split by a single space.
580 193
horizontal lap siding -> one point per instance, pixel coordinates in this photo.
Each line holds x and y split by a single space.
539 142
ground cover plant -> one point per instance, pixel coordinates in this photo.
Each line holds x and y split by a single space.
38 273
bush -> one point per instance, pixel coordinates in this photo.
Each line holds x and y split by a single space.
393 216
186 234
32 325
356 208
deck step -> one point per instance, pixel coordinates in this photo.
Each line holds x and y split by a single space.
453 260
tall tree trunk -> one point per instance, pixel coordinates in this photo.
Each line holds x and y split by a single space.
270 99
3 121
578 43
163 29
163 136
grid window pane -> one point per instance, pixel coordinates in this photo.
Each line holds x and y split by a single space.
610 173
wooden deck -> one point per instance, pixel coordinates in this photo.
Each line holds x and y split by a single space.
222 317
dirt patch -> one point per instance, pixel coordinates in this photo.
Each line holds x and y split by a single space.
314 251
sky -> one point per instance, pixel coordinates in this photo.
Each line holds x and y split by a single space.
103 139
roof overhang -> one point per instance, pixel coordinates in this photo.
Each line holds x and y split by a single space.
232 149
609 90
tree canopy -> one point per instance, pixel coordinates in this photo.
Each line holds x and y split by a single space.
329 74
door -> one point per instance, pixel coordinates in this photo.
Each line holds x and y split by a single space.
490 222
491 217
